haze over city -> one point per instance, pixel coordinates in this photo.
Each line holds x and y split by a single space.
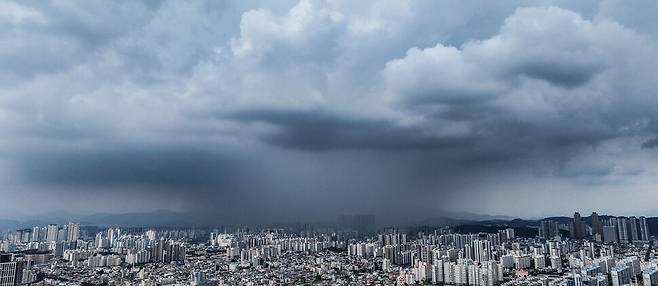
281 111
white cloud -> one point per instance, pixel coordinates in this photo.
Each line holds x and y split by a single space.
17 14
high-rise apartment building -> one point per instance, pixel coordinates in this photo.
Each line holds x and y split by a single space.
577 228
620 275
73 231
610 234
53 231
644 229
622 229
11 272
633 228
597 227
549 229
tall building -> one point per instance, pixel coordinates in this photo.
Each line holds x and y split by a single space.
620 275
73 230
644 228
549 229
622 229
597 227
437 272
482 250
509 233
62 233
53 231
554 249
11 272
609 233
577 228
35 233
43 234
113 235
632 228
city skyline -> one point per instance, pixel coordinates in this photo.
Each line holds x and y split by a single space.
271 111
165 219
601 251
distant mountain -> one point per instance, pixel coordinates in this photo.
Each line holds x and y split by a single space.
163 218
474 216
455 218
439 221
521 231
517 222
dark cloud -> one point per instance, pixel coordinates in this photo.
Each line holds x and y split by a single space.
566 75
650 144
321 130
149 167
245 108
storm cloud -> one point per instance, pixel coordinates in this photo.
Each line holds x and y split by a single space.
309 109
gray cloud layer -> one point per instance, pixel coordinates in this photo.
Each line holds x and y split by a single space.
246 108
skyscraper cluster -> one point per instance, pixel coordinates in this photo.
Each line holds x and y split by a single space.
549 229
52 233
577 228
612 229
627 229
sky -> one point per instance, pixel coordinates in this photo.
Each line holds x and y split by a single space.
290 110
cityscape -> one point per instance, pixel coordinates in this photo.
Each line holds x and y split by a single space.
577 251
328 142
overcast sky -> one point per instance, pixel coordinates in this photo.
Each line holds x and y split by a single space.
307 109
